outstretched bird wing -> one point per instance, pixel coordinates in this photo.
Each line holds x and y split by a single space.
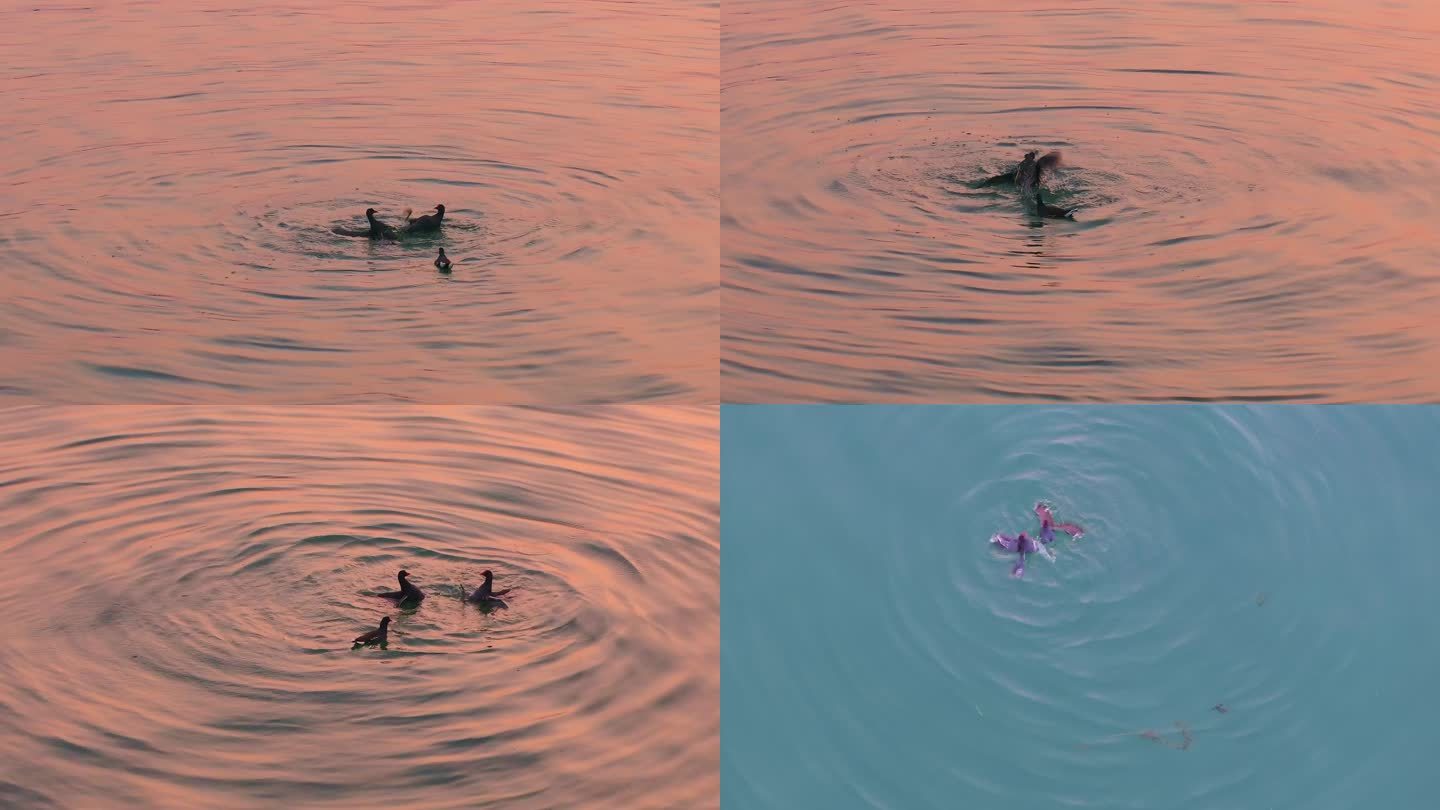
1047 163
1006 541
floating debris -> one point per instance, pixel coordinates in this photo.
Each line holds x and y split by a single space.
1181 744
1180 740
1260 599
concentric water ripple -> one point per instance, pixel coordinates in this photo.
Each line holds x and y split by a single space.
176 171
1252 192
183 588
1244 557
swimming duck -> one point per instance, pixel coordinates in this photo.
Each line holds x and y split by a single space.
1048 525
1009 177
427 222
1021 544
408 593
377 229
1028 174
486 593
442 263
1032 170
379 635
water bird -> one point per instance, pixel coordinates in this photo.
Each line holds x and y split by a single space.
1029 173
379 635
1221 708
427 222
1009 177
377 229
442 263
486 593
408 593
1048 525
1028 176
1021 544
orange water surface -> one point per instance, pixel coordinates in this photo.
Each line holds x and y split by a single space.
183 583
173 170
1257 185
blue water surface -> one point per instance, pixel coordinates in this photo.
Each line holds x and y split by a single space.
1279 560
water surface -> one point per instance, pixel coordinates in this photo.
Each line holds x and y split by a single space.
1257 186
876 652
183 584
173 171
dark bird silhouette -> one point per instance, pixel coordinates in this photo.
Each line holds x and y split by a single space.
427 222
1028 176
1032 170
1009 177
486 593
408 593
379 635
1029 173
442 262
377 229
